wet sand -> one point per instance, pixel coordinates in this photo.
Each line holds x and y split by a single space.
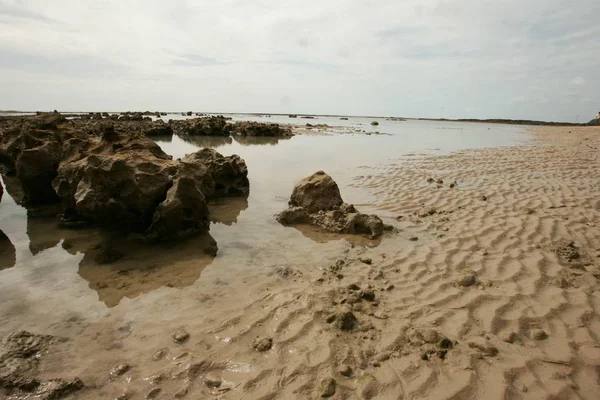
480 305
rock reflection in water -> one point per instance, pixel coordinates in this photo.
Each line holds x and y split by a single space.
208 141
320 236
141 268
226 210
260 140
7 252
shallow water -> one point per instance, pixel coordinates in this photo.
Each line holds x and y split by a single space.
240 225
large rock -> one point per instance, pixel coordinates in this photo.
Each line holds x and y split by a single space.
248 128
220 176
205 126
7 252
318 192
316 200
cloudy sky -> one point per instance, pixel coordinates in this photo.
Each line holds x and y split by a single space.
534 59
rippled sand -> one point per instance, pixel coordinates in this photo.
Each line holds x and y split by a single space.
421 329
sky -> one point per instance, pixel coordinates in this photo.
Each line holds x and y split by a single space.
520 59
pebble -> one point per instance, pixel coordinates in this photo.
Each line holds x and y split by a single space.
538 334
212 381
367 261
181 335
262 344
153 393
413 238
345 370
119 370
390 287
510 337
159 355
483 252
326 387
483 198
467 279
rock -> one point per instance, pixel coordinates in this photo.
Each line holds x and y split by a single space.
8 254
316 200
413 238
538 334
445 343
119 370
205 126
567 251
219 176
159 355
367 261
345 370
343 320
430 336
212 381
326 387
374 123
181 335
510 337
181 393
262 344
367 386
248 128
153 393
318 192
467 279
368 294
483 198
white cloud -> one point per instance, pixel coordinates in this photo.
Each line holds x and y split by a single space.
412 58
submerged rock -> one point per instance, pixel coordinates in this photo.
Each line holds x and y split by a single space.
316 200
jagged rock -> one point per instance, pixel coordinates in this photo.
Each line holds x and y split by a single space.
205 126
262 344
20 356
316 200
220 176
111 174
7 252
248 128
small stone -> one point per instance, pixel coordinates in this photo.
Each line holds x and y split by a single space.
212 381
123 396
413 238
353 287
181 335
262 344
430 180
345 370
326 387
383 356
344 320
483 198
119 370
445 343
153 393
467 279
368 294
380 314
510 337
538 334
430 336
389 287
181 393
159 355
367 261
483 252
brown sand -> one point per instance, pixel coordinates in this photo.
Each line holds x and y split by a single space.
456 314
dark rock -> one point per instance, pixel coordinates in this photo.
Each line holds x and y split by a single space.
8 253
262 344
374 123
205 126
316 200
249 128
326 387
343 320
467 279
181 335
119 370
345 370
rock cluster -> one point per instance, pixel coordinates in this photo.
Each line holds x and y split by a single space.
316 200
119 179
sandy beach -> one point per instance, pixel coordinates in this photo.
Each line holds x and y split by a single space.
487 289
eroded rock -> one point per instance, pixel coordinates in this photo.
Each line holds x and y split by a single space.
316 200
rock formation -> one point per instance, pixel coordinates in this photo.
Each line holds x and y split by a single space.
316 200
120 179
248 128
